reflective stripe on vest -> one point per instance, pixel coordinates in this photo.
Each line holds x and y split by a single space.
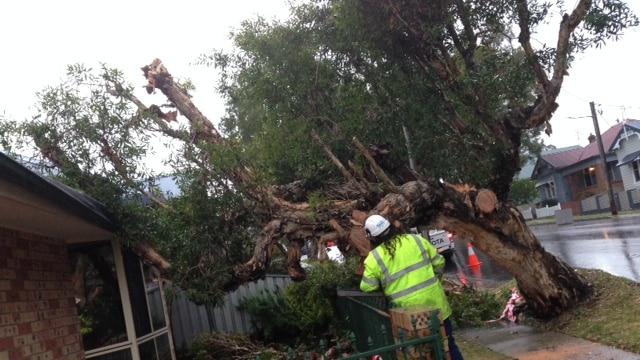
413 289
391 278
372 282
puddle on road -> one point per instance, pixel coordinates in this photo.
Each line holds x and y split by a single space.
486 275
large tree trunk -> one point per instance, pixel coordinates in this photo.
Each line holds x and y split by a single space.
549 285
497 229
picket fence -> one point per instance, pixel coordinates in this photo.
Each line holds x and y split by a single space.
540 212
188 320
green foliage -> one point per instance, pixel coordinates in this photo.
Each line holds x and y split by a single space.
532 145
344 68
472 307
271 316
98 141
272 67
86 324
304 311
314 301
523 191
336 68
204 248
607 19
317 204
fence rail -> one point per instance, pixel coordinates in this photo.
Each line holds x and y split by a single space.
367 317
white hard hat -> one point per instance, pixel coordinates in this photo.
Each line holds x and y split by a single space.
376 225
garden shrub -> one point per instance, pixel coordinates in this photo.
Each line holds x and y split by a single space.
472 307
304 311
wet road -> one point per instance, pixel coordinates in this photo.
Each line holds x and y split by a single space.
487 274
612 245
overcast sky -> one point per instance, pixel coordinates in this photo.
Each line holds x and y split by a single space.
41 37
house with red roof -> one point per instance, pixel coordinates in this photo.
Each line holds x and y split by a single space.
576 177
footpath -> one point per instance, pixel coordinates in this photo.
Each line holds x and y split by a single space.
523 342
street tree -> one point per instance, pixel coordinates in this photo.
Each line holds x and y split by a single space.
444 83
523 192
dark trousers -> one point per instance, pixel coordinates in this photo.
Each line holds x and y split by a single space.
453 348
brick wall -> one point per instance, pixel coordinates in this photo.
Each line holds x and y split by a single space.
38 316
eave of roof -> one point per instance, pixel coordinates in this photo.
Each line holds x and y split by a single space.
74 202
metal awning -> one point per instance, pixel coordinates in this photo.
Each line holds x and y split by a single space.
546 179
542 183
629 158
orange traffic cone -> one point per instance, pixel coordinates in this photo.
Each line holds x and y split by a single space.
474 263
473 259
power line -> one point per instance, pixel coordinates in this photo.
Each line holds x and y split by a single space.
619 106
600 112
575 96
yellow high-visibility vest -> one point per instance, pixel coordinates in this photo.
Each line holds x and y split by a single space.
411 277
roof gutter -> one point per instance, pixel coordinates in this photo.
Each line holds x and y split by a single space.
74 202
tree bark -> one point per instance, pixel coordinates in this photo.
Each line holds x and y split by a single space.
549 285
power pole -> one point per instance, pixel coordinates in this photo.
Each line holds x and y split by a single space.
612 202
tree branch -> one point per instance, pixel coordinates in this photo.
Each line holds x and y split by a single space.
143 109
121 169
159 78
202 129
542 110
381 174
338 164
467 53
525 40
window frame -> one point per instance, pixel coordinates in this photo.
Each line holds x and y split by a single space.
550 190
589 178
132 343
635 168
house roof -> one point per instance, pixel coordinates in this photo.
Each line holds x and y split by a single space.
634 124
36 194
609 138
563 157
572 155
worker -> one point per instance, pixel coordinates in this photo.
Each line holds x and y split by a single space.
408 269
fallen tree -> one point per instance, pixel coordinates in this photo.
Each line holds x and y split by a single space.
496 228
483 96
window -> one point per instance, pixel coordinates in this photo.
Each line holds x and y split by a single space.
589 177
145 287
105 277
636 170
97 295
116 355
144 292
156 349
550 190
614 172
